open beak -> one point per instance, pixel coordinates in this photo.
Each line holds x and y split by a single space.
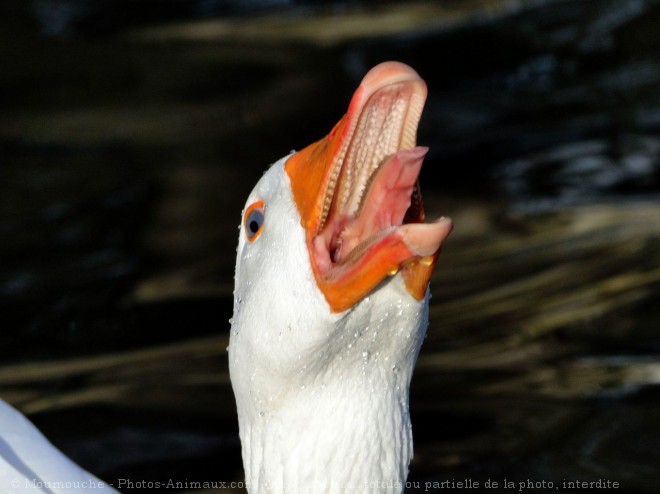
358 194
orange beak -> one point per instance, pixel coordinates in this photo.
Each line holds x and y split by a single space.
358 195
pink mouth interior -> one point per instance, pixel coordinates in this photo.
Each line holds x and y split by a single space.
383 207
369 204
345 237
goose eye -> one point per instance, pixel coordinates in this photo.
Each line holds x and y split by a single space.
253 220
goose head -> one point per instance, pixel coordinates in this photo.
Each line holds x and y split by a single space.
331 300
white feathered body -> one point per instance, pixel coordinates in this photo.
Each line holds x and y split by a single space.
29 463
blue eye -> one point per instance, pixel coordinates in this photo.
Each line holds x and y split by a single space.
253 220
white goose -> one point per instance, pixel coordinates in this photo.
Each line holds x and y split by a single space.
330 310
331 300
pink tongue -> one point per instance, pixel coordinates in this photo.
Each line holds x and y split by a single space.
387 199
424 239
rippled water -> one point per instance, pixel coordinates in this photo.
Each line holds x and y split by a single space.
126 158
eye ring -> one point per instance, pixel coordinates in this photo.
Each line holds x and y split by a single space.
253 220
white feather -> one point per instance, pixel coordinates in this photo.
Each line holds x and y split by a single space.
29 463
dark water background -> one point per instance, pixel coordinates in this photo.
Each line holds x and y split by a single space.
131 132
